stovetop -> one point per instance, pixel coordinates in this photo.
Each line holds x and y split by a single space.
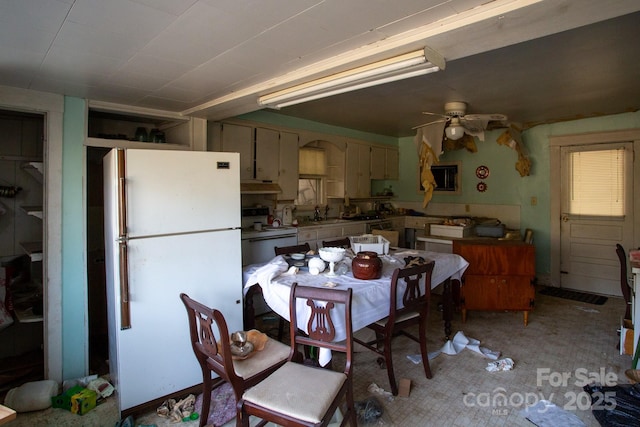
268 231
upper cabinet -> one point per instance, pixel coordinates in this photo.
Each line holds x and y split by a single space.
358 170
384 162
288 173
267 155
239 139
123 126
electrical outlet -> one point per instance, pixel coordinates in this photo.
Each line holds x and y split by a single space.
534 200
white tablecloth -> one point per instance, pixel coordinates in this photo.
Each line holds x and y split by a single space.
370 297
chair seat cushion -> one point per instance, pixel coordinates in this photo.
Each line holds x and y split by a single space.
403 317
297 390
272 353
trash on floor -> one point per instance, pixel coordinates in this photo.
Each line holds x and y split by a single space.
615 406
545 414
223 405
177 411
586 310
369 411
459 343
31 396
505 364
373 388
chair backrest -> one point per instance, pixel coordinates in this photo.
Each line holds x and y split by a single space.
338 243
320 323
417 292
624 278
212 353
283 250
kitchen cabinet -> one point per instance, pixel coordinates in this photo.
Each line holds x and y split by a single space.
358 170
239 139
384 162
288 161
267 155
499 277
315 235
335 181
111 126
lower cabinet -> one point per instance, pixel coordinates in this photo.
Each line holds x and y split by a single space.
499 277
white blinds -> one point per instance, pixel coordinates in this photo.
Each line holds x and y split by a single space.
597 182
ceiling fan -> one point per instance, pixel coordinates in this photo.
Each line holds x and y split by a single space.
459 123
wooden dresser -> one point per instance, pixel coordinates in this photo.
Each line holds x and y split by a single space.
499 277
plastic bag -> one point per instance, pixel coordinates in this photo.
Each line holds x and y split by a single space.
32 396
370 412
615 406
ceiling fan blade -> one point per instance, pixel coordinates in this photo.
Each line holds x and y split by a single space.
429 124
485 117
429 113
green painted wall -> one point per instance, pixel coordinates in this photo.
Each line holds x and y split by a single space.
74 284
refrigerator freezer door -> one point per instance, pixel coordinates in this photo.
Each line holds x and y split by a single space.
154 357
181 191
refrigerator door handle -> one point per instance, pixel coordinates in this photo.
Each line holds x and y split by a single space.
125 313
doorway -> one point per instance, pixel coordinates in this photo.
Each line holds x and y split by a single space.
96 280
593 208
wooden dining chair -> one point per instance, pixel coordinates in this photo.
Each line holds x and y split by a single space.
338 243
211 345
298 394
625 288
407 286
285 250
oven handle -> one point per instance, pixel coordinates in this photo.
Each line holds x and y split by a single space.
280 236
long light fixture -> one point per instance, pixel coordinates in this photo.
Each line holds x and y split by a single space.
400 67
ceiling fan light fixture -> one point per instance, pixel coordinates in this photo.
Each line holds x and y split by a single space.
454 132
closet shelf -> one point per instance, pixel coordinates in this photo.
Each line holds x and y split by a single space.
33 210
33 249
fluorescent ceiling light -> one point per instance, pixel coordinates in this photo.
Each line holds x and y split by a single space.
400 67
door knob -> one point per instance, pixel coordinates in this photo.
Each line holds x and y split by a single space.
564 218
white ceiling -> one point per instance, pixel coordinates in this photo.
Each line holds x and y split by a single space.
535 61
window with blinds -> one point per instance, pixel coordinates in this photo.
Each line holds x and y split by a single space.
597 182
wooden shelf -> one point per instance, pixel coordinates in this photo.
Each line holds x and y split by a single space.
33 210
124 143
33 249
36 169
27 316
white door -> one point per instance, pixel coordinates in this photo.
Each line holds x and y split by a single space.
596 213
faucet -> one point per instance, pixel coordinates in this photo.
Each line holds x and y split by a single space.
326 212
316 213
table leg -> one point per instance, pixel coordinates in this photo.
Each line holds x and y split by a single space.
447 308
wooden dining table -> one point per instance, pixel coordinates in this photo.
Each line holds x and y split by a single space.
370 297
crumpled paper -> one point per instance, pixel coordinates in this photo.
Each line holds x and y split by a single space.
505 364
459 343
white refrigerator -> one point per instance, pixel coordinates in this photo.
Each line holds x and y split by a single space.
172 225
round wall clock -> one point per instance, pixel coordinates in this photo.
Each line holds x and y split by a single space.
481 187
482 172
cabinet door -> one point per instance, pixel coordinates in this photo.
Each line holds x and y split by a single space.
358 170
497 293
239 139
378 162
288 174
267 154
392 163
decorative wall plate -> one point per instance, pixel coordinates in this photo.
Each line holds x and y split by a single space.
482 172
481 187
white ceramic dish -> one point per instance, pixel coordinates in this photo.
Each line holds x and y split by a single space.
297 256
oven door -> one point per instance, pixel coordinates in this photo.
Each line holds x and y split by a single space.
256 250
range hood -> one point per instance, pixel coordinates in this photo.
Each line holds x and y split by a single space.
259 188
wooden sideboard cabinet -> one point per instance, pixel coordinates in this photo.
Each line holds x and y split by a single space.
499 277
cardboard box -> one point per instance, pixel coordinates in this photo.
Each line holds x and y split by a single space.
83 402
450 230
64 400
626 337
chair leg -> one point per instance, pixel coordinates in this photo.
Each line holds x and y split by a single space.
351 407
206 396
423 350
280 328
389 360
